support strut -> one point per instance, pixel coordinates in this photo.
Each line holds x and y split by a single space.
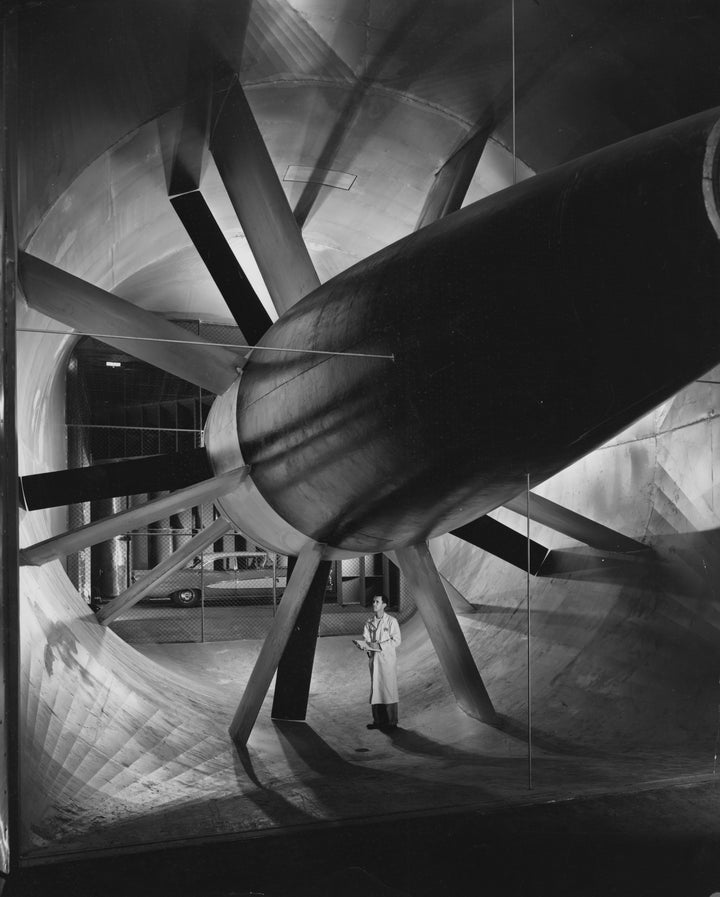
445 633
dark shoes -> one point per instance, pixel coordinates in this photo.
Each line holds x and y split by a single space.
382 728
372 726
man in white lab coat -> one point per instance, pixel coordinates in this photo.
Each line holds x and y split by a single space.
381 636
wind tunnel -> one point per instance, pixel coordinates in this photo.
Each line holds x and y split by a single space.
509 359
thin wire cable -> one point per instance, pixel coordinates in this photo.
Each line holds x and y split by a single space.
514 126
190 342
717 741
529 664
527 490
123 427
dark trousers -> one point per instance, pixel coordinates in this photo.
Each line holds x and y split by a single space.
385 715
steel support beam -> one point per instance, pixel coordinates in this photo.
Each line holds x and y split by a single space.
294 673
124 521
177 559
237 291
186 138
445 633
503 542
153 473
453 179
274 645
185 131
9 580
571 524
260 202
458 602
92 310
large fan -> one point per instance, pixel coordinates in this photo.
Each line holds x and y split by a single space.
419 390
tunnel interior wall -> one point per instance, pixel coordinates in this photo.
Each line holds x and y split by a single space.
118 749
624 647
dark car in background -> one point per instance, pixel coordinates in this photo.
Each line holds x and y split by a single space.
228 575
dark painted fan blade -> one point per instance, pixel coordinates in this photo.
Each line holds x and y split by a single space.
237 291
294 672
154 473
186 136
273 647
80 537
503 542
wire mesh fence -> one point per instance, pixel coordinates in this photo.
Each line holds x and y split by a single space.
230 591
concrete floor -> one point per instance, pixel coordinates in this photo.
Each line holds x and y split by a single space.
660 841
331 769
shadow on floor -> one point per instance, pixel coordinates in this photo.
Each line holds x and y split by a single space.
657 843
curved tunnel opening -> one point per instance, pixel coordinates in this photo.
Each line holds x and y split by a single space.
623 649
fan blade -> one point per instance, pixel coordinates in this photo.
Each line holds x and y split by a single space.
237 291
445 633
184 130
153 473
504 543
185 138
177 559
294 672
260 203
572 524
458 602
91 310
92 533
453 179
272 650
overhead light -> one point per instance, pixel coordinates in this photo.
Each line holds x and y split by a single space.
113 364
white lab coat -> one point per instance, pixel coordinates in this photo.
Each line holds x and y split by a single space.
383 664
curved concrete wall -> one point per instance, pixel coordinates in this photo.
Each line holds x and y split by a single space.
624 648
94 713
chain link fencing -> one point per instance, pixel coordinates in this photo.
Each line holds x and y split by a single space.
230 591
